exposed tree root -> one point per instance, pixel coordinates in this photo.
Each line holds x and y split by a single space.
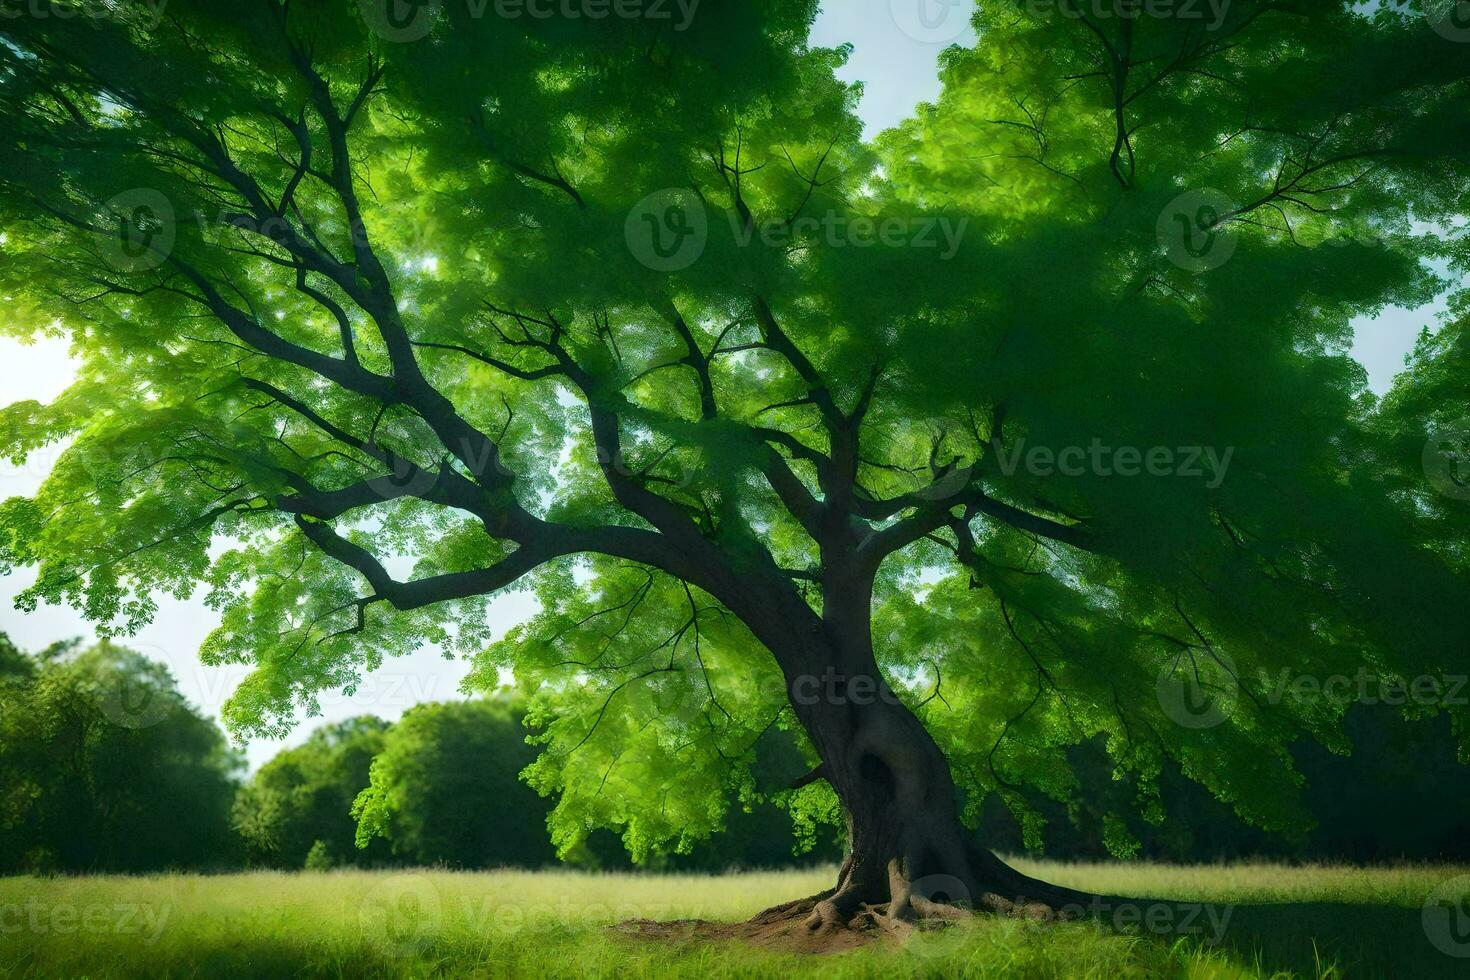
788 927
854 913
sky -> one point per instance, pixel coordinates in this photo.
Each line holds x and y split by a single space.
896 49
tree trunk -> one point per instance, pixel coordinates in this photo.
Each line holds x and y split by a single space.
909 856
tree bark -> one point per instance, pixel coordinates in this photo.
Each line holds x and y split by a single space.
909 856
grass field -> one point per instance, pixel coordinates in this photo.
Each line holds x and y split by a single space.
1263 921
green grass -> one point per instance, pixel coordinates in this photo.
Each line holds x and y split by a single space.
1311 921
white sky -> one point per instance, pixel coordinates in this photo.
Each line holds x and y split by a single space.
897 43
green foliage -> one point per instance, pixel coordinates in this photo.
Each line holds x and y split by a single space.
15 666
319 858
400 356
445 789
104 767
812 808
654 711
298 807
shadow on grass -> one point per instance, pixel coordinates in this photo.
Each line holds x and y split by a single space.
1360 940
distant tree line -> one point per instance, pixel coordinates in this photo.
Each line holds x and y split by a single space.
104 766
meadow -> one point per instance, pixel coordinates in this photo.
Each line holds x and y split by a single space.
1262 921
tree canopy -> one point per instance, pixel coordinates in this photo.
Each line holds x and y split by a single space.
1006 431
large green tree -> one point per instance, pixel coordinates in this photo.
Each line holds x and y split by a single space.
1006 431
